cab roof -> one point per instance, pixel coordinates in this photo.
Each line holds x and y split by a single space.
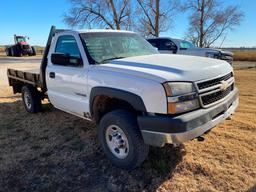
102 31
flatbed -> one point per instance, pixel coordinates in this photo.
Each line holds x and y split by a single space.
17 77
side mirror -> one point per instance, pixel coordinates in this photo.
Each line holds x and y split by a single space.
65 60
173 48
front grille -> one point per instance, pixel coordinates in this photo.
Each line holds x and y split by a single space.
216 96
213 82
25 46
213 90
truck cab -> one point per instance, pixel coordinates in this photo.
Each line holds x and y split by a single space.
136 96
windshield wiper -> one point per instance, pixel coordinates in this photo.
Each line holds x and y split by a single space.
112 58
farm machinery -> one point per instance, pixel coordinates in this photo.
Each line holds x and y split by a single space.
20 48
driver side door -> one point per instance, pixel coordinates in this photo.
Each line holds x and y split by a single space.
67 84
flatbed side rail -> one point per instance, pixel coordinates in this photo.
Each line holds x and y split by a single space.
15 76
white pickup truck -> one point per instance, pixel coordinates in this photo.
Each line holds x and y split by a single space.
167 45
136 96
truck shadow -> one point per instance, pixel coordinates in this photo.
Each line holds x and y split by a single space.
55 151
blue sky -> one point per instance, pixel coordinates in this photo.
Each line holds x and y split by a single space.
33 18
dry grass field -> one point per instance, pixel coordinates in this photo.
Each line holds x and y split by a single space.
55 151
2 50
245 55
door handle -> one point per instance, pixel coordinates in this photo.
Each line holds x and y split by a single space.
52 75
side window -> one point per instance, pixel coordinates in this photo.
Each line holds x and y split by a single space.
167 45
67 44
186 45
153 42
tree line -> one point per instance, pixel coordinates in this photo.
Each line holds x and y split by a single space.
209 20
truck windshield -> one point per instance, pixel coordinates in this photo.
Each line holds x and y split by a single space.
103 47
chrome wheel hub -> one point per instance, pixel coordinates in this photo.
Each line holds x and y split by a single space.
117 141
27 100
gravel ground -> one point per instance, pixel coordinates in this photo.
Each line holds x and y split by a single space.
22 63
244 64
27 60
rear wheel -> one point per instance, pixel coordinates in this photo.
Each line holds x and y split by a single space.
31 99
33 51
7 51
18 52
121 139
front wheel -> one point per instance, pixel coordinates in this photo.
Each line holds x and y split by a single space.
18 52
121 139
12 52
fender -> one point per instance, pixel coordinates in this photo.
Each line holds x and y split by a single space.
129 97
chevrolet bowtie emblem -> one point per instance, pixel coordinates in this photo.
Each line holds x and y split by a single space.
224 85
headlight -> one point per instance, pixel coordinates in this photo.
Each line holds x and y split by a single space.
181 97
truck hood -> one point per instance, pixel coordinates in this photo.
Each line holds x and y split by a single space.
206 50
166 67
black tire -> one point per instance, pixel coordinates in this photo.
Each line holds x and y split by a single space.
18 52
138 150
7 51
32 96
33 51
12 51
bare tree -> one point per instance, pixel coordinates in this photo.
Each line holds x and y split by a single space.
154 16
99 13
209 20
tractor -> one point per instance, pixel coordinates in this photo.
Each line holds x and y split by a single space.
20 48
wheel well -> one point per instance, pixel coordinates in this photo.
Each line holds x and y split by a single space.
104 104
